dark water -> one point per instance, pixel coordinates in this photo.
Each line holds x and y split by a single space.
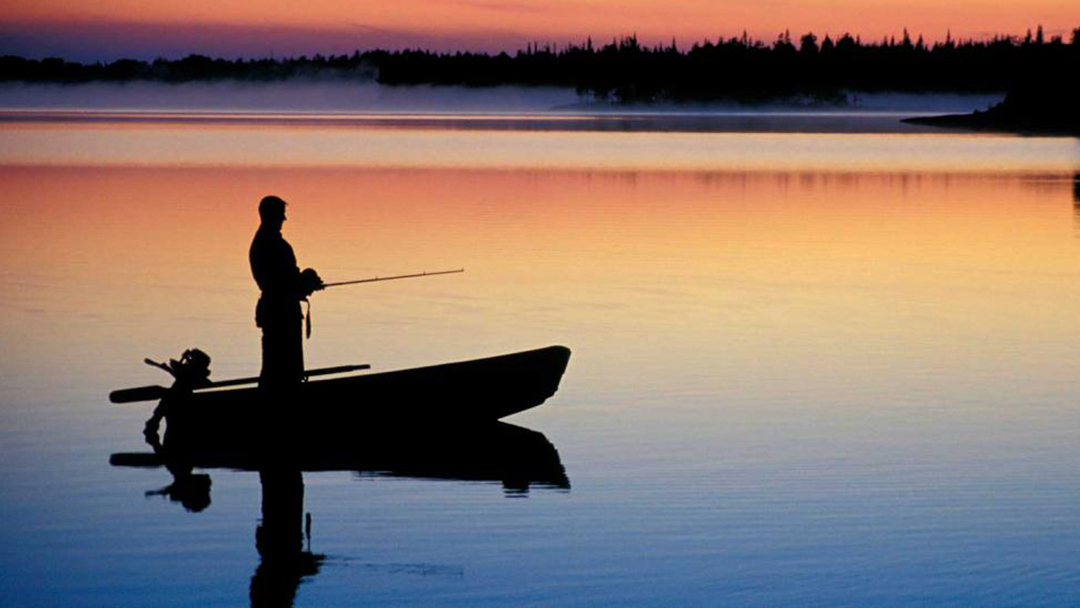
814 370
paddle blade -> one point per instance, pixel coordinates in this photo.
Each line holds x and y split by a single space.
139 393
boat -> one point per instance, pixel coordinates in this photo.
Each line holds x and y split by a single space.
459 393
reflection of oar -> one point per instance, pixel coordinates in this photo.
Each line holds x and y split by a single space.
148 460
400 276
152 393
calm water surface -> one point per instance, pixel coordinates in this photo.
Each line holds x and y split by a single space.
809 369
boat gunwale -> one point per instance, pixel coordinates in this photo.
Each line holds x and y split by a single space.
347 376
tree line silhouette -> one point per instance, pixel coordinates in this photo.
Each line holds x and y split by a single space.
810 68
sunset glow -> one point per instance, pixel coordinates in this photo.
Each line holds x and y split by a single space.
172 27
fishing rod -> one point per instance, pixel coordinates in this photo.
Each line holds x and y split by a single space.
393 278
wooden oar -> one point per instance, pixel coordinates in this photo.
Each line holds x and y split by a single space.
155 392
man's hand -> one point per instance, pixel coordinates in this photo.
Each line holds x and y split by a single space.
310 281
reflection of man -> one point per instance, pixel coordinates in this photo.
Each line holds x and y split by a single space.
283 286
283 562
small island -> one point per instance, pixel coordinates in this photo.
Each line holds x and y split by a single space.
1050 109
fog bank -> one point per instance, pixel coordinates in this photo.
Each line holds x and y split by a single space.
353 96
302 96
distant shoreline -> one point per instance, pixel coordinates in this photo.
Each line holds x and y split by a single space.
806 70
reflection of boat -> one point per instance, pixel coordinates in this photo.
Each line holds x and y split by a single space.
494 451
488 451
460 393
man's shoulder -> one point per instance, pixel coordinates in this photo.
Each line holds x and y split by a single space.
270 245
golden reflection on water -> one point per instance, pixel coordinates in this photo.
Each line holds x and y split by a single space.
704 278
458 142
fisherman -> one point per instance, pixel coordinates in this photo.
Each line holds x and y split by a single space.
284 286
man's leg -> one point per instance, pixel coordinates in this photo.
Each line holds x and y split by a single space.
282 355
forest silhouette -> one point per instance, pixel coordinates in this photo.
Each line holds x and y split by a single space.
806 69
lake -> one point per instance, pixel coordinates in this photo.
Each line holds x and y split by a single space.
819 359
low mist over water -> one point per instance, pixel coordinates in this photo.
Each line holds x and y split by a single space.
369 96
300 96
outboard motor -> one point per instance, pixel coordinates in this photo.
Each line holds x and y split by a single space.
190 372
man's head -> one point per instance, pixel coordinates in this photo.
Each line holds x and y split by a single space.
272 210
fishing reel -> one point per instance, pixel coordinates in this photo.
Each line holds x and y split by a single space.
310 282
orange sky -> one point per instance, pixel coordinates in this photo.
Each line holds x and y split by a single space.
333 26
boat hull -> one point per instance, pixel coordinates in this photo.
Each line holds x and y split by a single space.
461 393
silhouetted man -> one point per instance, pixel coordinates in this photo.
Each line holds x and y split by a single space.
283 286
